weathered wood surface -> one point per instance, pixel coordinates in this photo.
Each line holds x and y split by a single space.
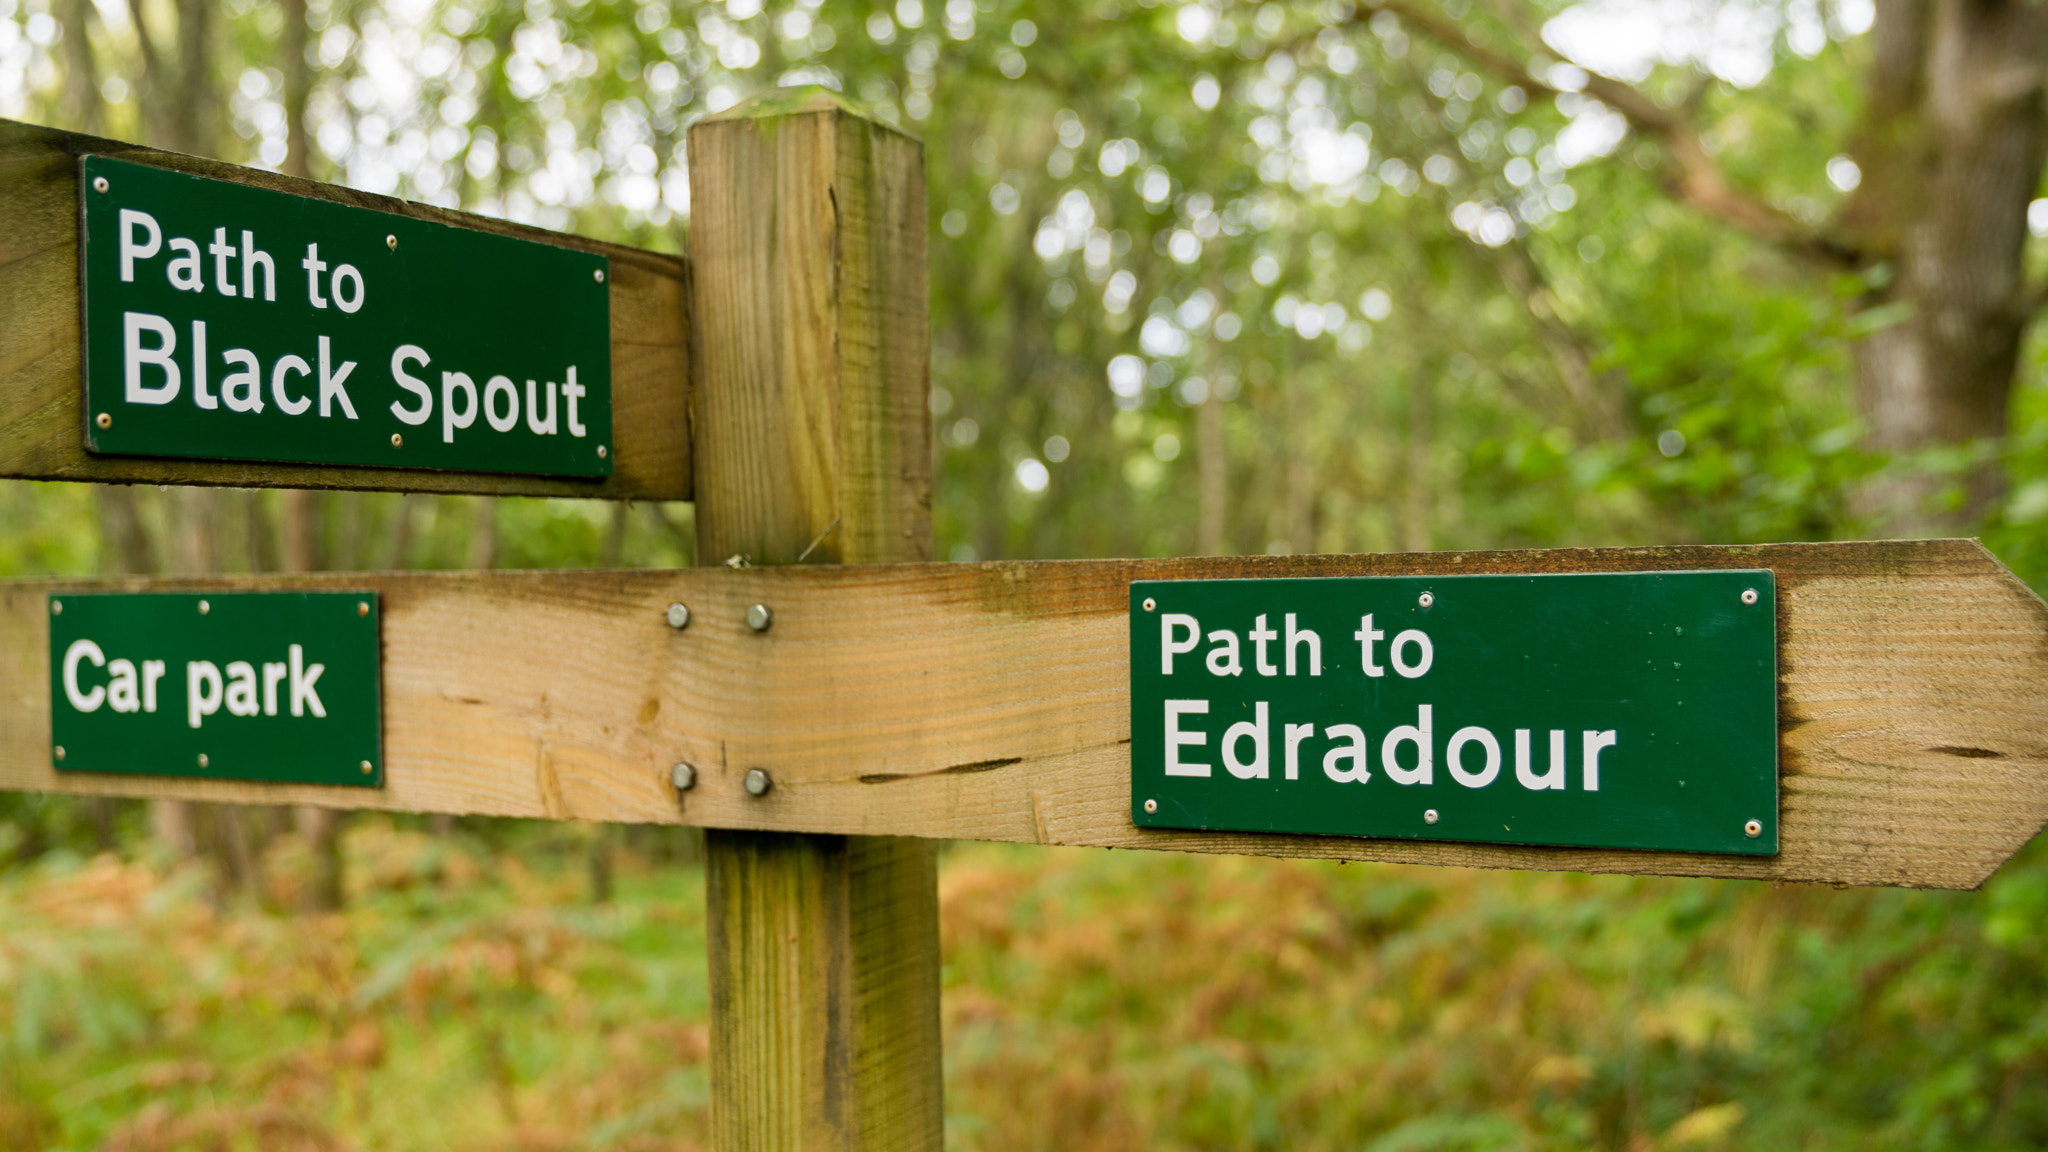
808 223
41 430
990 702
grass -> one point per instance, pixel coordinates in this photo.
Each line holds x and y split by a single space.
473 997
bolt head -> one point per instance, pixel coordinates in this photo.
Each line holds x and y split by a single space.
683 776
602 452
758 617
99 184
202 759
679 615
362 607
204 607
757 782
397 441
103 420
56 607
598 275
1429 817
1151 605
1753 829
391 242
1749 596
368 767
59 751
1426 599
1151 806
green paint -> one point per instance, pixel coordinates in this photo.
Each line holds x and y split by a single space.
1668 678
150 683
355 337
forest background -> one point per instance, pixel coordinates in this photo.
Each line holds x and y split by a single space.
1209 277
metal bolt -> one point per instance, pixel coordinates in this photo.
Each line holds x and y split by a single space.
362 607
391 242
1426 599
1753 829
56 607
683 776
59 750
202 759
602 452
1151 604
599 275
1749 595
397 441
204 607
103 420
1151 806
367 768
759 618
679 615
758 783
99 183
1429 817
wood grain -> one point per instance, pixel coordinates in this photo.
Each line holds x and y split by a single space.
989 702
41 430
809 225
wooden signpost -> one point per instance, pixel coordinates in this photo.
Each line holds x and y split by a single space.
830 704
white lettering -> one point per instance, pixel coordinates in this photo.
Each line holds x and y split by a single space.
135 356
450 418
1404 640
252 259
314 266
242 391
1526 773
1304 636
131 251
1177 739
201 674
1589 751
291 406
183 270
1418 735
573 392
222 252
413 384
1356 751
497 386
304 677
346 273
1484 739
1260 734
538 426
81 650
124 692
242 688
152 671
1260 635
273 674
331 383
1291 737
1223 658
200 395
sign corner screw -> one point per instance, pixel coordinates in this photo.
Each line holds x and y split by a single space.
1427 599
599 275
397 441
362 607
1151 604
758 782
391 242
683 776
103 420
56 607
59 752
1429 816
204 607
1749 596
202 760
679 616
602 452
1151 806
367 768
99 184
759 618
1753 829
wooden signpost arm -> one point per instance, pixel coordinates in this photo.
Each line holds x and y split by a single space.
41 423
812 444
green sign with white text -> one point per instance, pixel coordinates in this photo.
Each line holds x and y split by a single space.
278 686
1634 710
228 322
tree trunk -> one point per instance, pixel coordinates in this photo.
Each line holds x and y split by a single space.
1954 139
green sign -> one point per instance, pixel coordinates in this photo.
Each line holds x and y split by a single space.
279 686
1632 710
236 323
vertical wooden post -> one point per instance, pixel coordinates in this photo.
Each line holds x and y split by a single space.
812 443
